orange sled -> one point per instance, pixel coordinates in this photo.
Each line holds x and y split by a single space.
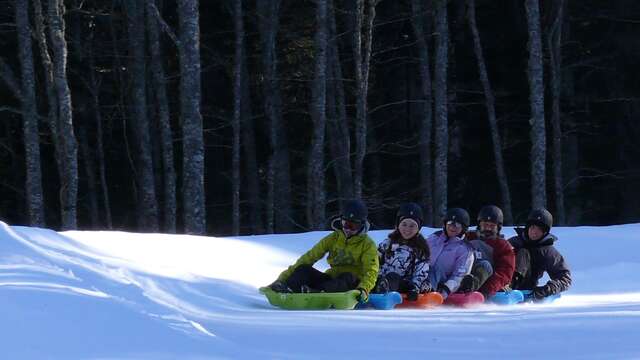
425 301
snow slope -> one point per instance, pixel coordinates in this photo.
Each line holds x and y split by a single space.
119 295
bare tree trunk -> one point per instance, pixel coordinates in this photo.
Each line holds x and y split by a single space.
536 98
147 203
237 113
554 43
47 64
491 115
102 173
87 160
441 118
426 125
192 137
337 127
52 99
158 77
362 58
69 179
270 200
360 123
33 183
249 144
279 177
315 178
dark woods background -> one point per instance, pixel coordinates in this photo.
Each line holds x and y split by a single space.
116 114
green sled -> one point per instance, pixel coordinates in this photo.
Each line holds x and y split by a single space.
312 301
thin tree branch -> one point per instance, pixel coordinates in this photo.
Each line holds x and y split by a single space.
11 109
165 27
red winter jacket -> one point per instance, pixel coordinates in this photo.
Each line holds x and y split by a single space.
504 263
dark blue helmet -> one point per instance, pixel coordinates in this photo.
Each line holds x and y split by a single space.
458 215
355 211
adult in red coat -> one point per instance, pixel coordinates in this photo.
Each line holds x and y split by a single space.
495 259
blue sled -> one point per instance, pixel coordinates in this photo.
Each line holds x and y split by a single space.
381 301
519 296
528 297
507 297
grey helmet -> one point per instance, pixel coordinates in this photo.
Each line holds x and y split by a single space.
491 213
541 217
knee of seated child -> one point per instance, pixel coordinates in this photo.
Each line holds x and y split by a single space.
482 265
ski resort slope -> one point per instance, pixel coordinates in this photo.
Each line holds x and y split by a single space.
119 295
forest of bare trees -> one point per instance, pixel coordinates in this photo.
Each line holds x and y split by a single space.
247 117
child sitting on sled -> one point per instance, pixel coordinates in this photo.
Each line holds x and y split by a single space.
535 255
404 256
352 258
494 256
451 258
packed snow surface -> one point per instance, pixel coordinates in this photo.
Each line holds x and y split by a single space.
121 295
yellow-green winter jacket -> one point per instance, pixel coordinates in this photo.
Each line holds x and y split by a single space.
357 255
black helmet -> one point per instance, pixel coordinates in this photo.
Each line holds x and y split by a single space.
355 211
458 215
491 213
409 211
540 217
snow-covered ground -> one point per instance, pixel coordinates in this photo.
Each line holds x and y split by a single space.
118 295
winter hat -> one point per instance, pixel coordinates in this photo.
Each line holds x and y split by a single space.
411 211
540 217
355 211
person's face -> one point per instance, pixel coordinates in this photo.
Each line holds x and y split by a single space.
488 229
408 228
535 232
350 228
453 228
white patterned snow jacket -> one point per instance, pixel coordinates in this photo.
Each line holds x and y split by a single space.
405 260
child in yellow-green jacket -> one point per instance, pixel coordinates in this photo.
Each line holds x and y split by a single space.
353 258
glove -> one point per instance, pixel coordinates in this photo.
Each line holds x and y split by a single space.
516 280
280 287
412 295
468 284
363 296
444 290
541 292
382 285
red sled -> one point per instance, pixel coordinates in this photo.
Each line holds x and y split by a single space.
425 301
464 300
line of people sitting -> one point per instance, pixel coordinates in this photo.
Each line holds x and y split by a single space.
453 259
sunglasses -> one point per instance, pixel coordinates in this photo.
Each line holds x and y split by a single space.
454 224
351 225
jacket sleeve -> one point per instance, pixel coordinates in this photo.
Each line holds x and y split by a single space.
504 264
559 274
316 253
515 241
463 265
370 266
382 248
420 277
